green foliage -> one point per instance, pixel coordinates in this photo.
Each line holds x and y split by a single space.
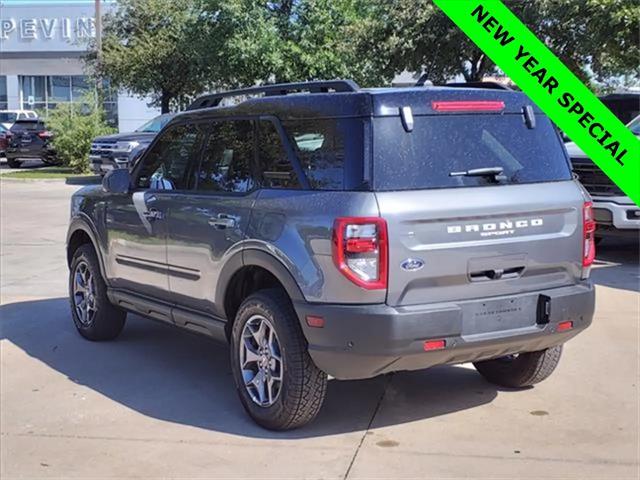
154 47
596 39
74 126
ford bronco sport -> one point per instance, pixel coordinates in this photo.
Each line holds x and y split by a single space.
323 229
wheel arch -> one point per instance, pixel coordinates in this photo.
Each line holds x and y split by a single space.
80 232
249 271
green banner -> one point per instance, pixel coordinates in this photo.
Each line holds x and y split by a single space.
552 86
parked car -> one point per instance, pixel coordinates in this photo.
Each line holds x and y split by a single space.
4 135
30 139
615 213
117 151
8 117
346 232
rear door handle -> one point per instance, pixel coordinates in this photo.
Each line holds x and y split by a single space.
222 221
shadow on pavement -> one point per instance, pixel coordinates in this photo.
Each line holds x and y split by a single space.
175 376
618 264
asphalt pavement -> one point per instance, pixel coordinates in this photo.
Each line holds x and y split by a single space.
159 402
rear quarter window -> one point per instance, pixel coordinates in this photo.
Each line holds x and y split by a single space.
441 144
330 151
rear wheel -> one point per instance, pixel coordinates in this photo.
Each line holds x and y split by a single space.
13 163
521 370
278 383
93 315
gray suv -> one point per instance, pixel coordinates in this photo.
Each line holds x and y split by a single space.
323 229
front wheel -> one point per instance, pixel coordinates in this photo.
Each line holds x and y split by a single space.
93 315
279 385
521 370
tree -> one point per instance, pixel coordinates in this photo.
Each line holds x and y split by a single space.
594 38
152 47
74 126
291 40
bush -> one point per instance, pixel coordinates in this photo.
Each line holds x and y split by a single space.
74 126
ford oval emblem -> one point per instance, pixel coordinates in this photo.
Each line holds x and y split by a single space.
412 264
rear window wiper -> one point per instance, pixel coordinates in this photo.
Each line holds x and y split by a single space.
494 173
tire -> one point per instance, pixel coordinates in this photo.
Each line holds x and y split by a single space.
104 321
13 163
51 161
298 397
523 370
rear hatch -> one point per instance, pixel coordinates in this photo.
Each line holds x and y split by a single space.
29 134
463 237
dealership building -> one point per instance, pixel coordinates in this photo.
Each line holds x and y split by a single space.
41 48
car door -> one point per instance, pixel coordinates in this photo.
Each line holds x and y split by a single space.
207 226
137 222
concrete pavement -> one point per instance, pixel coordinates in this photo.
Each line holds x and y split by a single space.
159 402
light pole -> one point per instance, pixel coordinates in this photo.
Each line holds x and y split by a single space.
98 22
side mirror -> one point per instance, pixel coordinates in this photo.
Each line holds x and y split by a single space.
117 181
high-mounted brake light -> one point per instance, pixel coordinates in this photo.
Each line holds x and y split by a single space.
588 235
361 250
468 106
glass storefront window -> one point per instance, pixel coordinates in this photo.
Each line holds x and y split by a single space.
4 101
59 89
44 93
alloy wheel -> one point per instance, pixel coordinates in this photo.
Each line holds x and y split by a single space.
261 361
84 293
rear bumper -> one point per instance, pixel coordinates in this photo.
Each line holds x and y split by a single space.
362 341
617 212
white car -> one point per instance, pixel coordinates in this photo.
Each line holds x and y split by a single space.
9 117
615 213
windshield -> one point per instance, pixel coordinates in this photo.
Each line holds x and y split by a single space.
155 125
442 144
8 117
634 125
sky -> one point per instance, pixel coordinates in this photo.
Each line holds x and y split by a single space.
53 2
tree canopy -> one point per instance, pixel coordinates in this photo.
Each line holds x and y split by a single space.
174 50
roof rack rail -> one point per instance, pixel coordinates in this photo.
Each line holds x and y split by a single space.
325 86
487 85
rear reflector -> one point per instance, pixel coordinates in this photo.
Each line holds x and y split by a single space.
468 106
564 326
315 322
434 345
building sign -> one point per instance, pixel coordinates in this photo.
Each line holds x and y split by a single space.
47 28
38 28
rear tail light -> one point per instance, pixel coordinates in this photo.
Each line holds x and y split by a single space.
564 326
45 135
361 250
588 235
468 106
434 345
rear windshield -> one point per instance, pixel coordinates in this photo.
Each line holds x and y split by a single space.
439 145
27 126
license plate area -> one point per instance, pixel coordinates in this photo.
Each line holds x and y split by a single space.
498 315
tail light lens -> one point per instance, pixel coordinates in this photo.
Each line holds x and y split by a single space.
361 250
45 135
589 232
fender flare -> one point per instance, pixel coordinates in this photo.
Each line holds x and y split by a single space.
85 225
258 258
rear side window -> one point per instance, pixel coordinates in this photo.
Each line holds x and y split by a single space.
227 158
274 166
172 159
439 145
320 146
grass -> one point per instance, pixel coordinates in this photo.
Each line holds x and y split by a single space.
45 173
